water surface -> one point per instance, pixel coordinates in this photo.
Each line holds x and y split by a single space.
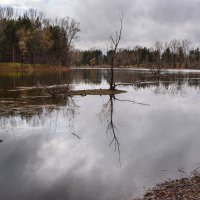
97 147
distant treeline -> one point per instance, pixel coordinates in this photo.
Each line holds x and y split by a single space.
31 38
173 54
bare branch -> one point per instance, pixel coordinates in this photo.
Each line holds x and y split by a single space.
131 101
76 135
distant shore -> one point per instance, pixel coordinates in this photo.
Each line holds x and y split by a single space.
32 67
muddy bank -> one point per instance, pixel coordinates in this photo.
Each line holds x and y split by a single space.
94 92
181 189
55 91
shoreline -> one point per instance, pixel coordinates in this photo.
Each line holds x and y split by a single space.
44 67
31 67
183 188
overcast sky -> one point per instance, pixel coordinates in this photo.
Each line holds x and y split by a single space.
145 21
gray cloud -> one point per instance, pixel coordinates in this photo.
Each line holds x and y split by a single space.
145 21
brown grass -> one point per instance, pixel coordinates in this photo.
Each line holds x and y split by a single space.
30 67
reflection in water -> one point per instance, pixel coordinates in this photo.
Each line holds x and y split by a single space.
32 115
70 112
13 80
107 115
58 149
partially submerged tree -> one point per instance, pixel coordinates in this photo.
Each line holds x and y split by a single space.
156 67
113 52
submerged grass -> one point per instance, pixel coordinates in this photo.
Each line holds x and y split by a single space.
27 101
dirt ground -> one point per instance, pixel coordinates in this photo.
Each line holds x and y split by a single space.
181 189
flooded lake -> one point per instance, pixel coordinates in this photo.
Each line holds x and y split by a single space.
96 147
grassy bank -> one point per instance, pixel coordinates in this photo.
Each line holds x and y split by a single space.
27 67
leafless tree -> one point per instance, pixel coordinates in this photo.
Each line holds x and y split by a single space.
186 45
70 28
114 40
158 64
174 46
6 12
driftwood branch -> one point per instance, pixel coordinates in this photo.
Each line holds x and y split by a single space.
76 135
131 101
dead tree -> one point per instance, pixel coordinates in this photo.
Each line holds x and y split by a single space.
156 68
114 40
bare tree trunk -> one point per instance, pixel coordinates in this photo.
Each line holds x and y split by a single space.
174 60
112 84
114 47
13 53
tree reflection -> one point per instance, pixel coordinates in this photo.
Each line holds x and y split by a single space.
14 113
107 115
70 112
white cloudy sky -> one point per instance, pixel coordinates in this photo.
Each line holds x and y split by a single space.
145 21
